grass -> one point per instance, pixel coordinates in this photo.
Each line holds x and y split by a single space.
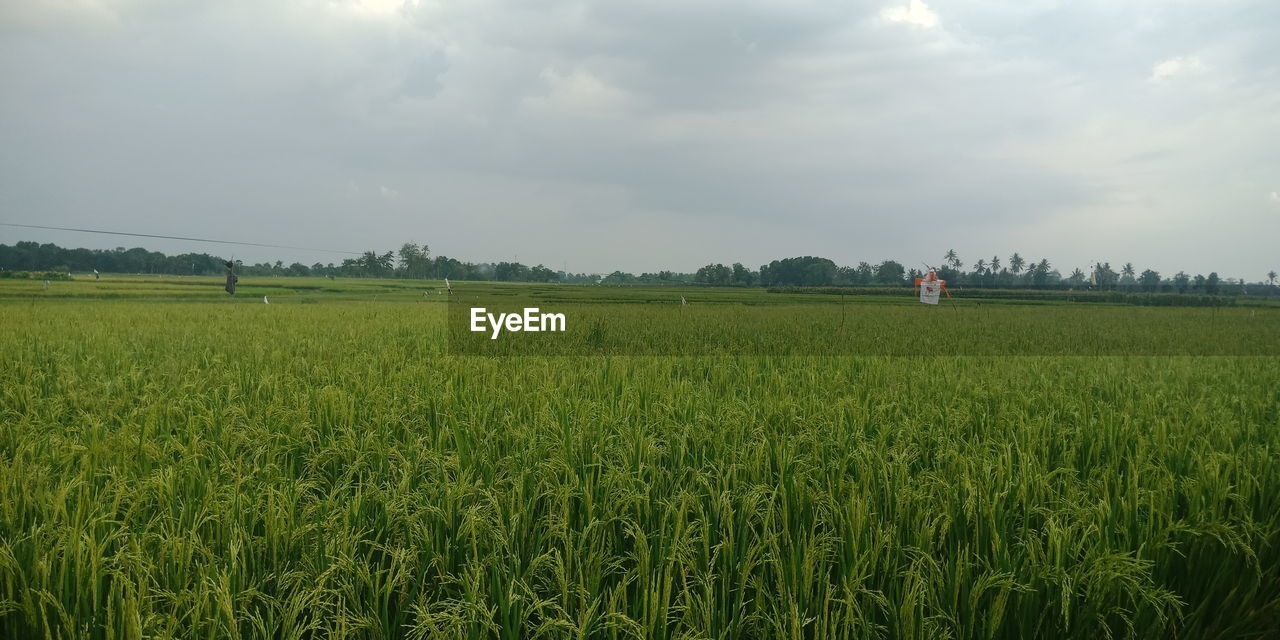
184 465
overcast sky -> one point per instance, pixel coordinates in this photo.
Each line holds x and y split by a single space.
652 134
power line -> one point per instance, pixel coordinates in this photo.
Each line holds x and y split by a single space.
150 235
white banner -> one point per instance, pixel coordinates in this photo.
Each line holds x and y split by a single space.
929 292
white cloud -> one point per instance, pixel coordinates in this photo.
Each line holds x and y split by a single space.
804 127
916 12
1180 65
376 8
578 93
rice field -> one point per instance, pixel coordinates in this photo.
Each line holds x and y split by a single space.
175 463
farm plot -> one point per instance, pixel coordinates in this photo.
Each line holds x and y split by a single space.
183 469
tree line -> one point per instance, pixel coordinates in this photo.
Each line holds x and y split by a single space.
410 261
1017 273
415 261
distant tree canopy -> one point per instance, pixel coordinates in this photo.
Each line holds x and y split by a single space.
714 274
804 271
410 261
415 261
32 256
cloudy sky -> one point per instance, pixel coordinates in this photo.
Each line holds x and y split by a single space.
651 134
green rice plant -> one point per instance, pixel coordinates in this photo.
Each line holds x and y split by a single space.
181 469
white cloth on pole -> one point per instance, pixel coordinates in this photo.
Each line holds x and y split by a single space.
929 292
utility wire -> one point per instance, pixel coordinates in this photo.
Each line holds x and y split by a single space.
149 235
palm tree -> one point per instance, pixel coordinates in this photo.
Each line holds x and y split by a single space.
386 262
1016 263
953 259
1271 277
368 262
1106 277
980 266
1040 271
995 263
1127 270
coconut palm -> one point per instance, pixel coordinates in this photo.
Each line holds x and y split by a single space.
1016 263
953 259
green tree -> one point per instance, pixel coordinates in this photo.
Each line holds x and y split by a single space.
414 260
542 273
805 270
1016 263
890 272
716 274
1181 281
511 272
1211 283
953 259
1040 273
618 277
1105 276
369 264
1127 273
865 273
1150 280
